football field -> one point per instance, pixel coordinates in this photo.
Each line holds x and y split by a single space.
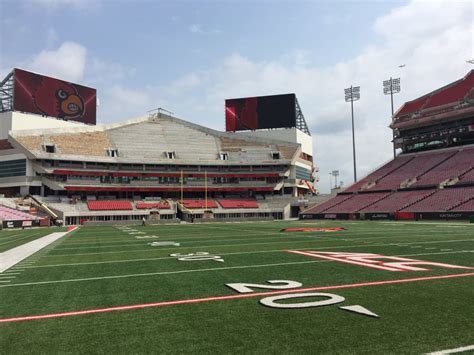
372 287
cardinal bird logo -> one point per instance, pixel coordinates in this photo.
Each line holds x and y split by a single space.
58 99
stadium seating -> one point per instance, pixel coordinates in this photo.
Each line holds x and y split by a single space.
452 94
391 166
467 177
453 167
357 202
443 200
238 203
9 214
467 206
320 208
415 167
398 201
109 205
199 204
152 205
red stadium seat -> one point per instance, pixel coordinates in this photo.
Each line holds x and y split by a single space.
109 205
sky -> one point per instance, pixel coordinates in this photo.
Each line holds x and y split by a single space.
188 56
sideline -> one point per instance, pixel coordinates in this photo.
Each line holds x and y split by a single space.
13 256
229 297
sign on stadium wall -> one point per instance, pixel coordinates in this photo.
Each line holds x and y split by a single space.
251 113
43 95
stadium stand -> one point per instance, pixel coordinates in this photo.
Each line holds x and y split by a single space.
109 205
467 206
357 202
443 200
398 201
371 179
415 167
467 177
455 166
9 214
336 200
238 204
152 205
191 204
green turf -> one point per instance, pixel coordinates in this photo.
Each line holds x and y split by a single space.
104 267
10 239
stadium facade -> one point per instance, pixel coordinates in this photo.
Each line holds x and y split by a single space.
68 161
433 177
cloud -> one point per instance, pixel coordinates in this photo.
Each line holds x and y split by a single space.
67 62
434 53
197 29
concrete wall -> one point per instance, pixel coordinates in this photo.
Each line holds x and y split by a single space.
291 135
17 121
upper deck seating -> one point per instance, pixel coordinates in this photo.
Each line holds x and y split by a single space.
238 203
199 204
109 205
443 200
152 205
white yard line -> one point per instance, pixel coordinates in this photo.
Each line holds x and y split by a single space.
453 351
237 245
14 256
197 270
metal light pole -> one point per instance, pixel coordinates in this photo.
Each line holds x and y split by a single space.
353 94
335 173
391 87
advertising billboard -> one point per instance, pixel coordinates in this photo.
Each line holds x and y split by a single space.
43 95
251 113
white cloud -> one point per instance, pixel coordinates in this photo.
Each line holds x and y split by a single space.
434 52
197 29
66 62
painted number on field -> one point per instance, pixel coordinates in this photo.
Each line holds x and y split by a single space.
246 288
163 244
283 301
198 256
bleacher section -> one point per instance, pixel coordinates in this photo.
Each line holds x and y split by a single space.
357 202
398 200
320 208
198 204
380 173
9 214
467 206
453 167
425 182
411 170
152 205
443 200
109 205
238 203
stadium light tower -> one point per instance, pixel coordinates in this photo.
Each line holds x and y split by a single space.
335 173
353 94
390 87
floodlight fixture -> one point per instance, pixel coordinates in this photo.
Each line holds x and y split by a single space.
390 87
